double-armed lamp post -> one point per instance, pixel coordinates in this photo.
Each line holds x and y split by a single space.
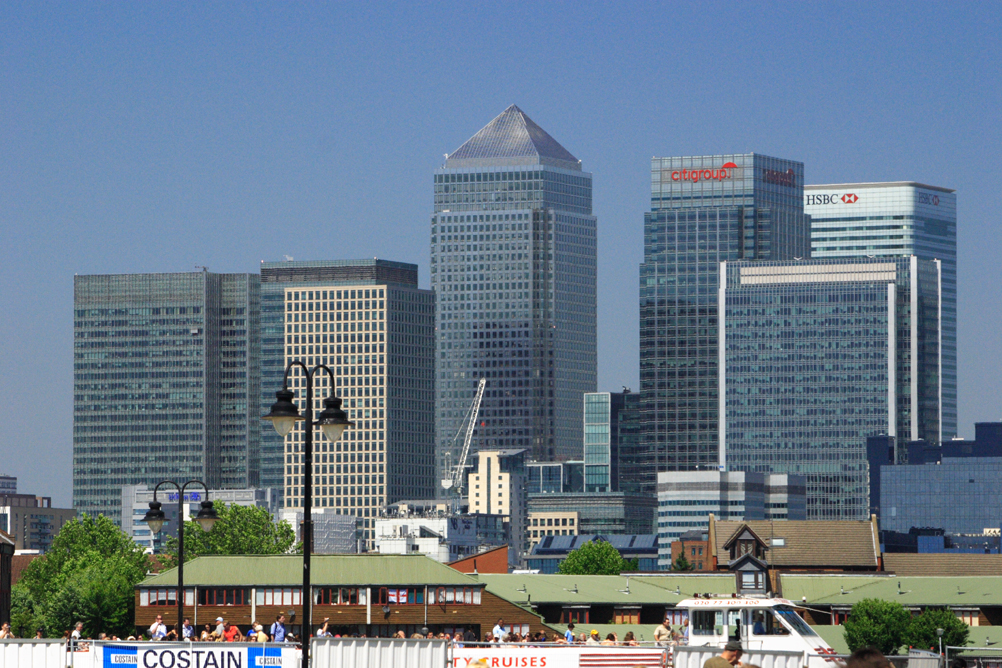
332 422
155 518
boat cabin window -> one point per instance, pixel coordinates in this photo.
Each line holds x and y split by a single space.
706 622
790 616
765 624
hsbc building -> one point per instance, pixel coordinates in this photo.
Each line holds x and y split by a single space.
895 219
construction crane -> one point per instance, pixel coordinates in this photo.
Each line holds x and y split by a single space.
458 480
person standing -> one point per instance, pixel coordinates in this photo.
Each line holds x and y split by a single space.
158 630
569 633
499 631
469 636
5 633
278 629
187 632
220 627
662 634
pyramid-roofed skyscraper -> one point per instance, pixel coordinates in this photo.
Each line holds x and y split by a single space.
513 265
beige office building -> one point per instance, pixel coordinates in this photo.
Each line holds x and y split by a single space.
498 485
371 325
551 524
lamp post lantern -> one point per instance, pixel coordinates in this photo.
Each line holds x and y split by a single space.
332 422
155 519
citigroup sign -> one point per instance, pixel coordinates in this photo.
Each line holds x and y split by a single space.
726 171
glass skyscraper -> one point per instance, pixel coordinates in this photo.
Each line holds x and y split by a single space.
368 321
704 210
610 424
818 355
165 383
895 220
513 266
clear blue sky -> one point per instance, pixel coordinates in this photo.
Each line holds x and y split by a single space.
148 136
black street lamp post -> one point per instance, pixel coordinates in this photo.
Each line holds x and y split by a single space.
332 421
155 518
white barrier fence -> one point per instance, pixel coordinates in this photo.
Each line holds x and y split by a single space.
691 656
379 653
111 654
35 653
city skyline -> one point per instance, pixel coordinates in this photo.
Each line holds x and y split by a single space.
151 139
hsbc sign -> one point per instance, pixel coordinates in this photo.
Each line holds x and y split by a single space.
830 198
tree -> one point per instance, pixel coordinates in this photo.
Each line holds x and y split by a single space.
922 631
88 575
881 624
597 557
239 530
681 563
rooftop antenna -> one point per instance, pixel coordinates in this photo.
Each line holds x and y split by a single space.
204 269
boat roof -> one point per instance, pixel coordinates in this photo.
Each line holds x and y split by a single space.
733 602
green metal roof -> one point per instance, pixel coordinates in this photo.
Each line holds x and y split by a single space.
909 591
287 570
603 589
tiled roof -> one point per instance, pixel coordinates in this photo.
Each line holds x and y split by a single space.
287 570
512 135
943 564
19 562
806 543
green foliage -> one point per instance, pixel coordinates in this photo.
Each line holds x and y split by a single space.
88 575
239 530
881 624
922 630
597 557
681 563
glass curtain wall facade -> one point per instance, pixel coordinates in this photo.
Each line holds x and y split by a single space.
610 421
895 220
166 379
704 210
368 321
513 266
818 355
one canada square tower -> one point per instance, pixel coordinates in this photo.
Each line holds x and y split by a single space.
513 266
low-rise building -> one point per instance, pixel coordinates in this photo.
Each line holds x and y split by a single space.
559 523
369 594
550 551
444 538
601 513
31 520
555 477
695 547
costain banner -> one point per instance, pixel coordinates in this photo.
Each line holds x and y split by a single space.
194 655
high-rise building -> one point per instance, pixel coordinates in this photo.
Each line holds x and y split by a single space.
686 499
704 210
513 266
370 323
165 380
818 355
897 219
497 485
31 520
611 421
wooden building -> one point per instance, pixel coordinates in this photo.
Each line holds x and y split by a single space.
369 594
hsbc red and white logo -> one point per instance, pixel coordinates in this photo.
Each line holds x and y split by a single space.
725 171
830 198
